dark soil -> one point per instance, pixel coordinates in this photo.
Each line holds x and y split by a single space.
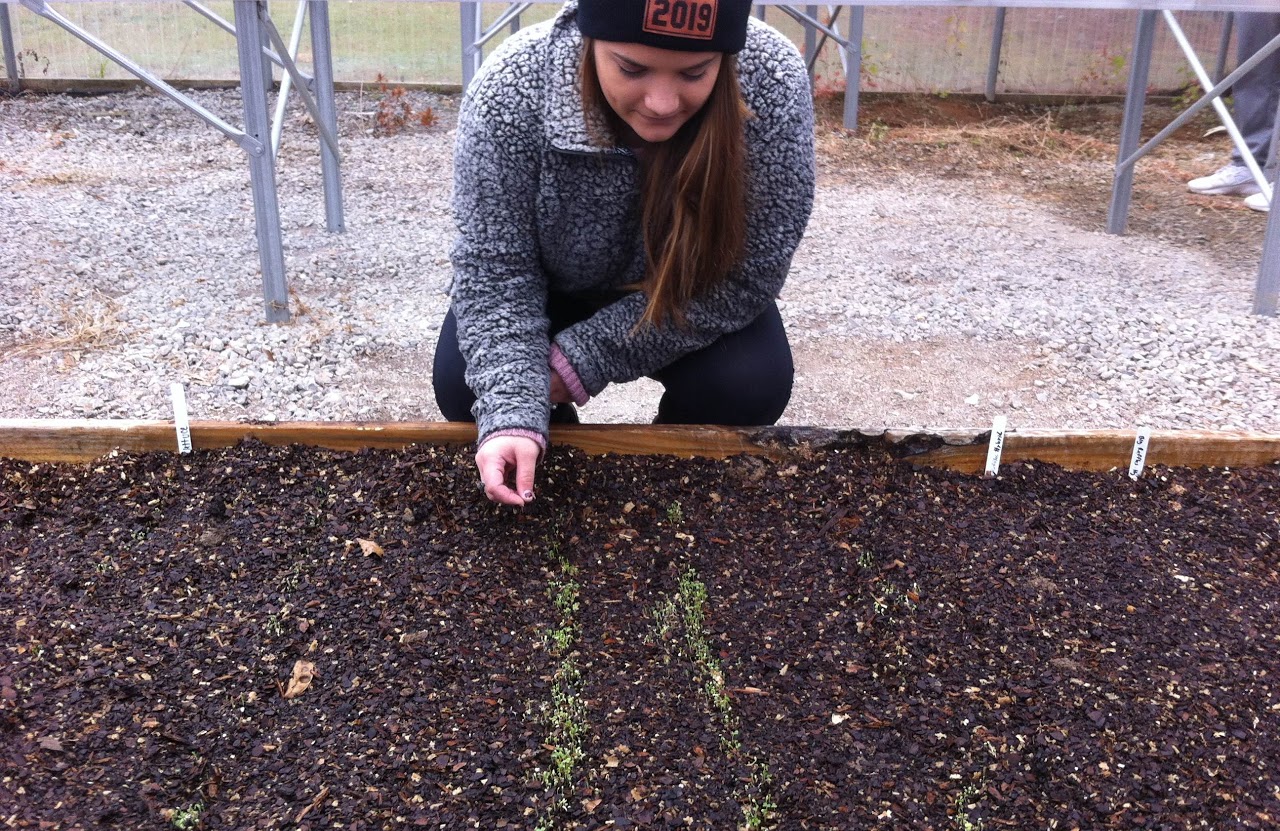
888 648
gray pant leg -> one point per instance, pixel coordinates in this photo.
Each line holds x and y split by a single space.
1257 94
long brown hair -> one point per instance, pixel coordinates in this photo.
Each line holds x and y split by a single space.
693 194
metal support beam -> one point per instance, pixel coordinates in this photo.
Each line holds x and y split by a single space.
471 52
1224 43
811 42
1266 295
1210 97
327 135
282 100
249 16
508 19
268 71
323 90
997 44
10 55
1203 77
217 20
853 66
41 8
1131 125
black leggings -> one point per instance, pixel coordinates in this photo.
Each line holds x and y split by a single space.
742 379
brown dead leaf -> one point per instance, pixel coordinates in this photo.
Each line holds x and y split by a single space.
304 672
371 548
50 743
590 805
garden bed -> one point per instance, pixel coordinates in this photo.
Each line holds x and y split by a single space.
262 636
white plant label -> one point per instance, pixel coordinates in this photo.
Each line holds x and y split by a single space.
1139 459
996 447
180 421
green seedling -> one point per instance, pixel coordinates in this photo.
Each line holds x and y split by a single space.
187 818
967 797
565 715
675 513
565 597
686 609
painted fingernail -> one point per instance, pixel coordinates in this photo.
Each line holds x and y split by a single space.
528 496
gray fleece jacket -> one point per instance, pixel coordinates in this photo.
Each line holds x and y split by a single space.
540 208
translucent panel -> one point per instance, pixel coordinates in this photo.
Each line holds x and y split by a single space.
905 49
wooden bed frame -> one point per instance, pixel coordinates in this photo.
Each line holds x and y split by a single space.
49 440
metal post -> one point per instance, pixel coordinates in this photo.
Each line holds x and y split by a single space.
760 9
1274 153
853 66
811 42
471 54
268 71
997 44
1223 44
323 90
10 55
1266 295
262 168
286 80
1131 127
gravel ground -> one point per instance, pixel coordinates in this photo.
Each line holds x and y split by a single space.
923 296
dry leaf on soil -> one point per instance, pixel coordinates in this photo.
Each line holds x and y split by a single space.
304 672
371 548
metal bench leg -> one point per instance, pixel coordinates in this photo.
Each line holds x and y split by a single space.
323 69
471 53
1131 127
853 66
10 55
1266 295
1223 43
262 168
811 43
997 44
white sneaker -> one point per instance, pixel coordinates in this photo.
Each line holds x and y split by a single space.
1258 202
1232 180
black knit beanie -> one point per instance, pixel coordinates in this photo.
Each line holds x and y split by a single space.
686 25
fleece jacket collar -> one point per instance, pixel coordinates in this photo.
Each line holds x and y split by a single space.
568 128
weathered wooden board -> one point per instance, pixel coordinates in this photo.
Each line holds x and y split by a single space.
1106 449
48 440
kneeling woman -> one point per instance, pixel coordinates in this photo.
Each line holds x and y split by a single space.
631 181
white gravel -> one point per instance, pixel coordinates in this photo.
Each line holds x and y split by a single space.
128 261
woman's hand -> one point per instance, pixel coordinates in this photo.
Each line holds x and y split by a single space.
507 458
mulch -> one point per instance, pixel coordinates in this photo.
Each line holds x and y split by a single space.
293 638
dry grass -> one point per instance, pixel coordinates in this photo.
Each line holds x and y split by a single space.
67 177
89 324
1001 142
1040 138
